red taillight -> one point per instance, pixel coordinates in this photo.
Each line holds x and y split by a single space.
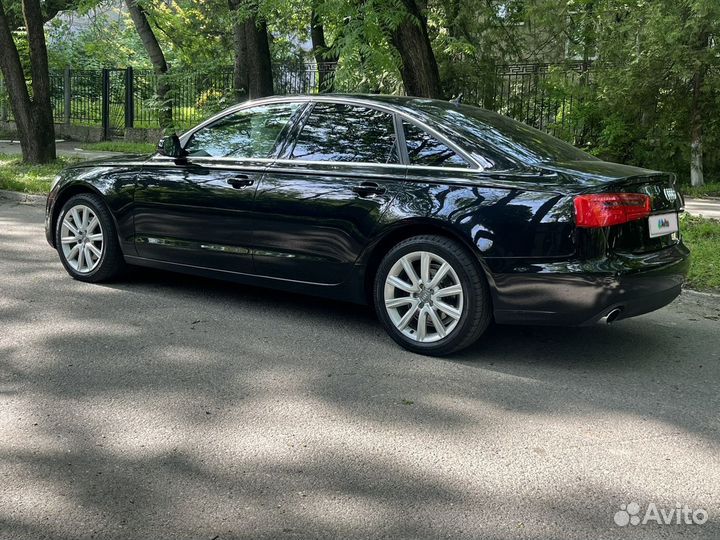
605 209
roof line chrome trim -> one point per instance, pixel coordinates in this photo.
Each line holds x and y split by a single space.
240 162
366 102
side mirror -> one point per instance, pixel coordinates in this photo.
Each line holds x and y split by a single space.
170 146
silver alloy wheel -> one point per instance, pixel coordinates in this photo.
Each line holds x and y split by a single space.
423 296
81 237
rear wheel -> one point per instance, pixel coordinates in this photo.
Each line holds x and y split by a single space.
431 296
86 239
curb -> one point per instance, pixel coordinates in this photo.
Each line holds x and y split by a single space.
703 294
23 198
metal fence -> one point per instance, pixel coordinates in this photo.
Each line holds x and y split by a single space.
545 96
117 99
541 95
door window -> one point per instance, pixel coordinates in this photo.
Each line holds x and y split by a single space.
424 149
338 132
250 133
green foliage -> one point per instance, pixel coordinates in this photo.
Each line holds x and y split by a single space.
193 34
212 101
18 176
639 108
634 105
108 39
708 190
357 33
702 236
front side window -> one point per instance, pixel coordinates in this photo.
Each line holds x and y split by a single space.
424 149
250 133
338 132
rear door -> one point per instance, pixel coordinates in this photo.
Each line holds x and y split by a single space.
198 211
317 207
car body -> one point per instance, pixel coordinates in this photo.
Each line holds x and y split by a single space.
316 189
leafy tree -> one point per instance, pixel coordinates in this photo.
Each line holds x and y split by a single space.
324 55
32 111
107 39
409 36
253 62
659 83
157 58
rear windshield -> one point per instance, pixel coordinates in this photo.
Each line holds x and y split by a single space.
513 138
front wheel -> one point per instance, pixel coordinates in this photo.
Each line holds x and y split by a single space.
431 296
86 239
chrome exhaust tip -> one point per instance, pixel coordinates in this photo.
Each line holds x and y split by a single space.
610 317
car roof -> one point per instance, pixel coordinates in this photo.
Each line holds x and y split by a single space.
407 104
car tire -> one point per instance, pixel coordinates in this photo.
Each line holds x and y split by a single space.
86 240
432 296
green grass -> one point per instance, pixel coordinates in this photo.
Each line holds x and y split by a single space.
708 190
702 236
18 176
120 146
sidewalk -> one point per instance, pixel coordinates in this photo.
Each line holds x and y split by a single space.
64 148
709 208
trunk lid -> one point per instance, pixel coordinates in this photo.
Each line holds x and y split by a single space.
605 177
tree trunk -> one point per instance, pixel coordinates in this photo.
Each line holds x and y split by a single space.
33 117
419 69
259 61
157 58
696 136
252 71
240 74
696 121
324 58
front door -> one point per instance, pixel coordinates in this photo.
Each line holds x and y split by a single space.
316 209
198 211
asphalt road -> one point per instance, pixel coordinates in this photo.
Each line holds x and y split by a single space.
709 208
170 407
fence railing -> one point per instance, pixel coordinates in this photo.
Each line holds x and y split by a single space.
544 96
118 99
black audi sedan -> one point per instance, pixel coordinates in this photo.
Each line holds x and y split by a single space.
442 216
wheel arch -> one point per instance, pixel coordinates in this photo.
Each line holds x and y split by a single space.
374 254
65 194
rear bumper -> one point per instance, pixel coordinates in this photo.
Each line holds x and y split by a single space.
582 293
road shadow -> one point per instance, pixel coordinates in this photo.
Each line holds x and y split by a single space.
168 406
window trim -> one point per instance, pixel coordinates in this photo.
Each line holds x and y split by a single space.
289 148
462 155
218 118
400 140
310 101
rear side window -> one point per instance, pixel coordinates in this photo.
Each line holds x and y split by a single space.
424 149
338 132
250 133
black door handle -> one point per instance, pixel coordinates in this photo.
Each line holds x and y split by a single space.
240 181
369 188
